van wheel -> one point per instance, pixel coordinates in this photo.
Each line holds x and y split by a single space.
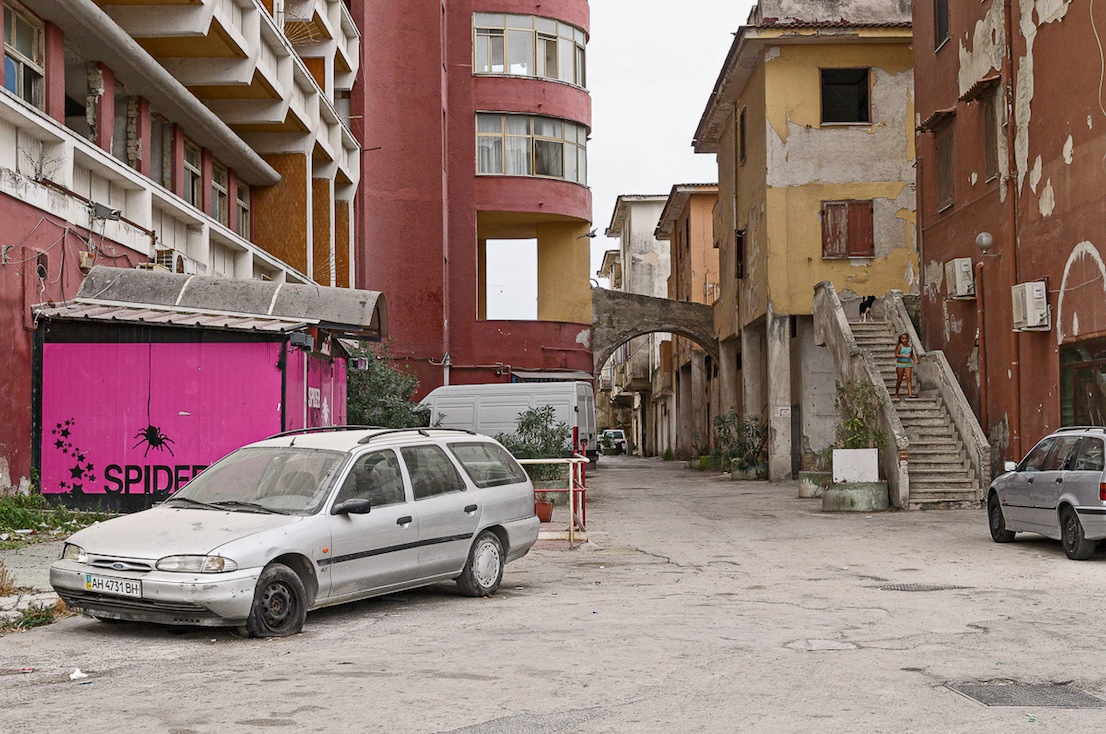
484 568
1074 541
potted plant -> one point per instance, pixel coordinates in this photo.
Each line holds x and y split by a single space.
856 485
743 442
543 506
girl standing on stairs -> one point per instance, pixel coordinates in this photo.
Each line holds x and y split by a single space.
905 358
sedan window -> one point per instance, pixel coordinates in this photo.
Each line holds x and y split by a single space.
432 473
1092 457
487 464
1036 458
1058 459
374 477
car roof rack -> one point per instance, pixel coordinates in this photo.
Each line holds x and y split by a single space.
1065 429
424 431
321 429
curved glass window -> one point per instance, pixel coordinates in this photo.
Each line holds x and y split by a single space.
526 45
526 145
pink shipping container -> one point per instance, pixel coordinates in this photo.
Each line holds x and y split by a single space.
144 385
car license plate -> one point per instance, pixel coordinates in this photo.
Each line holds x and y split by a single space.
108 585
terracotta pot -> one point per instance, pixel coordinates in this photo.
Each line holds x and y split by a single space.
544 510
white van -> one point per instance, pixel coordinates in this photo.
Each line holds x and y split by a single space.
493 409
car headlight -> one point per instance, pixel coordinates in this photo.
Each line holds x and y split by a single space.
196 564
71 552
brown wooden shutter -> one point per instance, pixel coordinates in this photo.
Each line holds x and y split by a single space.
835 219
861 237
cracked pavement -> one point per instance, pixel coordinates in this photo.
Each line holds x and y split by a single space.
699 605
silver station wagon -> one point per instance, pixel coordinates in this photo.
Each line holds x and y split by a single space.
305 520
1058 490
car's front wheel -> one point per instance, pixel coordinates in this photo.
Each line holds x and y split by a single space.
999 533
484 568
1074 541
279 603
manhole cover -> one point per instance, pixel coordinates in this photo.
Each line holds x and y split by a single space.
919 587
1041 695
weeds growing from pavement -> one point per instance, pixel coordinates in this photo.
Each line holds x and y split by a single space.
7 581
33 512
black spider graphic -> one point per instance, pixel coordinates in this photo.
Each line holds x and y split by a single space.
154 439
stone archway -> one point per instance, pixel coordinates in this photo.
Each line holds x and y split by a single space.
618 317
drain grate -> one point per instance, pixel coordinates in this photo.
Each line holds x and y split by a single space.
1041 695
920 587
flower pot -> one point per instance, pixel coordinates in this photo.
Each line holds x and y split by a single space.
544 510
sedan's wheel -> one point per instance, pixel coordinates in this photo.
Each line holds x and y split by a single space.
484 569
279 603
999 533
1075 543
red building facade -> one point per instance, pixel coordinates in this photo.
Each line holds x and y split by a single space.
1011 141
473 116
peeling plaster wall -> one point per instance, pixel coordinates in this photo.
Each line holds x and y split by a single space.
808 164
1033 15
869 11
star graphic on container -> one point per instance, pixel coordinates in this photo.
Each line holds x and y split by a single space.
77 472
59 443
63 485
64 432
78 488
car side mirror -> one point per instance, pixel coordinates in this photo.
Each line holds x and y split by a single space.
351 507
1009 466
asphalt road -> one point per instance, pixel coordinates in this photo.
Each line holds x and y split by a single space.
700 605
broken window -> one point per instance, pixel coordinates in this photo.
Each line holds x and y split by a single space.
845 95
24 54
220 204
847 229
990 135
940 22
193 174
739 254
242 224
161 150
741 136
943 159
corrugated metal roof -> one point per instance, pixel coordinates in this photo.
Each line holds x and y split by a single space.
228 303
92 311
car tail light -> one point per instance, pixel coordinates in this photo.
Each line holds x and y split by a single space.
1102 491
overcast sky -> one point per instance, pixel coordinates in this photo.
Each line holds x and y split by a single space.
651 67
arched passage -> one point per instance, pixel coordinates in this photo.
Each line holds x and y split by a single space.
618 317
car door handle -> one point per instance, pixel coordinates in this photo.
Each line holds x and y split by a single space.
1059 480
470 509
405 520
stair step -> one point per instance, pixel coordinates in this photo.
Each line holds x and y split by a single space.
943 504
922 488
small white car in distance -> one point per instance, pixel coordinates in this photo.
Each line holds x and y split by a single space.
305 520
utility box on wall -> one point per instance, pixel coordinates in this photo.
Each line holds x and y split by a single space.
1031 310
959 278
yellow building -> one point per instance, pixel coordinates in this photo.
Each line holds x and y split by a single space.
812 122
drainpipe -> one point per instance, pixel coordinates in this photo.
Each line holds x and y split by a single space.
1012 204
982 345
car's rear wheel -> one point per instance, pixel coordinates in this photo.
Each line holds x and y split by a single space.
1074 541
279 603
484 568
999 533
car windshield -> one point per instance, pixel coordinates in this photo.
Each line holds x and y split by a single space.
282 479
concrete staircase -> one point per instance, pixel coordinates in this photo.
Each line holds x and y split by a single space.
941 475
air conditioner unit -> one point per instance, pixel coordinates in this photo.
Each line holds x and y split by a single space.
959 278
169 259
1031 311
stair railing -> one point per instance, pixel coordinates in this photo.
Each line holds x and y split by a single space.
934 371
853 364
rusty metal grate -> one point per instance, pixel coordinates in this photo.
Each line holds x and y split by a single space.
1042 695
920 587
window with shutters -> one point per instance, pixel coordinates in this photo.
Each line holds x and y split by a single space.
943 148
847 229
